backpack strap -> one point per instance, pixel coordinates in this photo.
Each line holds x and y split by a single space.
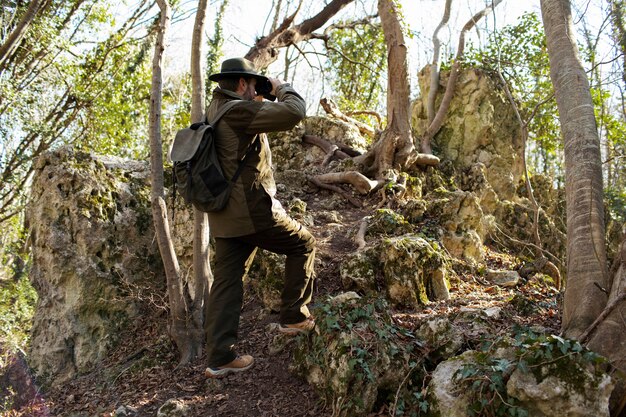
222 112
256 144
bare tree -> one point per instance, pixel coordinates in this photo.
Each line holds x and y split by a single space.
201 268
178 329
434 67
265 51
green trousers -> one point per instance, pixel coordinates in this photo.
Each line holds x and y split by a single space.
226 297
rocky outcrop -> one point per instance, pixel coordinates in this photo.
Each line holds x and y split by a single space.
409 269
480 127
545 376
92 248
356 356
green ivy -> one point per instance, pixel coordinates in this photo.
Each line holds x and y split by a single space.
486 377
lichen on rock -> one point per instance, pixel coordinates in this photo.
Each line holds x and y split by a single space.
357 357
92 239
409 269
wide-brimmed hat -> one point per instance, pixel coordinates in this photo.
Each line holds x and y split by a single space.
237 67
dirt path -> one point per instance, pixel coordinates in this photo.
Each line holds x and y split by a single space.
141 374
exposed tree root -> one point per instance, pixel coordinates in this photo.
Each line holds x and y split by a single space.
331 150
369 113
339 190
332 109
360 182
426 159
360 236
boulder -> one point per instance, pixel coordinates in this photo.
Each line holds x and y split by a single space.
357 358
410 269
503 278
460 216
536 375
580 394
92 248
266 277
480 127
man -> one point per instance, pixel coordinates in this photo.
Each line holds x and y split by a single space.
253 217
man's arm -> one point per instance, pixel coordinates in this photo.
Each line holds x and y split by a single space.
283 114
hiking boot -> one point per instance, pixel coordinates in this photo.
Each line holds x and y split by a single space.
239 364
302 327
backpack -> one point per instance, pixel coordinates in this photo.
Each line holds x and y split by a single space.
196 169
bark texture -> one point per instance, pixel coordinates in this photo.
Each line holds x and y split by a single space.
178 312
202 277
586 252
8 48
265 51
394 149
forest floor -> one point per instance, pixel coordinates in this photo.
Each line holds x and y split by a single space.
142 374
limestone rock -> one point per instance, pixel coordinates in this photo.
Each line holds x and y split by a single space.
410 266
443 395
586 395
533 375
515 218
443 339
480 127
266 277
92 246
413 270
288 152
462 219
335 131
173 408
503 278
386 222
355 356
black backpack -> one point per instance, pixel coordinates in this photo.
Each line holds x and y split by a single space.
197 172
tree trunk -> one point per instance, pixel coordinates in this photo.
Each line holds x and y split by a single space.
434 67
394 149
586 252
202 277
264 52
178 312
8 48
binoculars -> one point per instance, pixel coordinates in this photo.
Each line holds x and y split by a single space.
263 88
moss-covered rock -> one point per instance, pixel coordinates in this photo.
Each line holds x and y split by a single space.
409 269
480 127
515 218
463 222
92 251
266 276
532 375
386 222
357 357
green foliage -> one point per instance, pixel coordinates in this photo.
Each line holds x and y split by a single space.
115 121
519 53
215 43
78 77
357 61
486 376
17 303
355 345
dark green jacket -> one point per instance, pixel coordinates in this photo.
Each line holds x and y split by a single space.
252 206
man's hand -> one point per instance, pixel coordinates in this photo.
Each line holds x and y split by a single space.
275 83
